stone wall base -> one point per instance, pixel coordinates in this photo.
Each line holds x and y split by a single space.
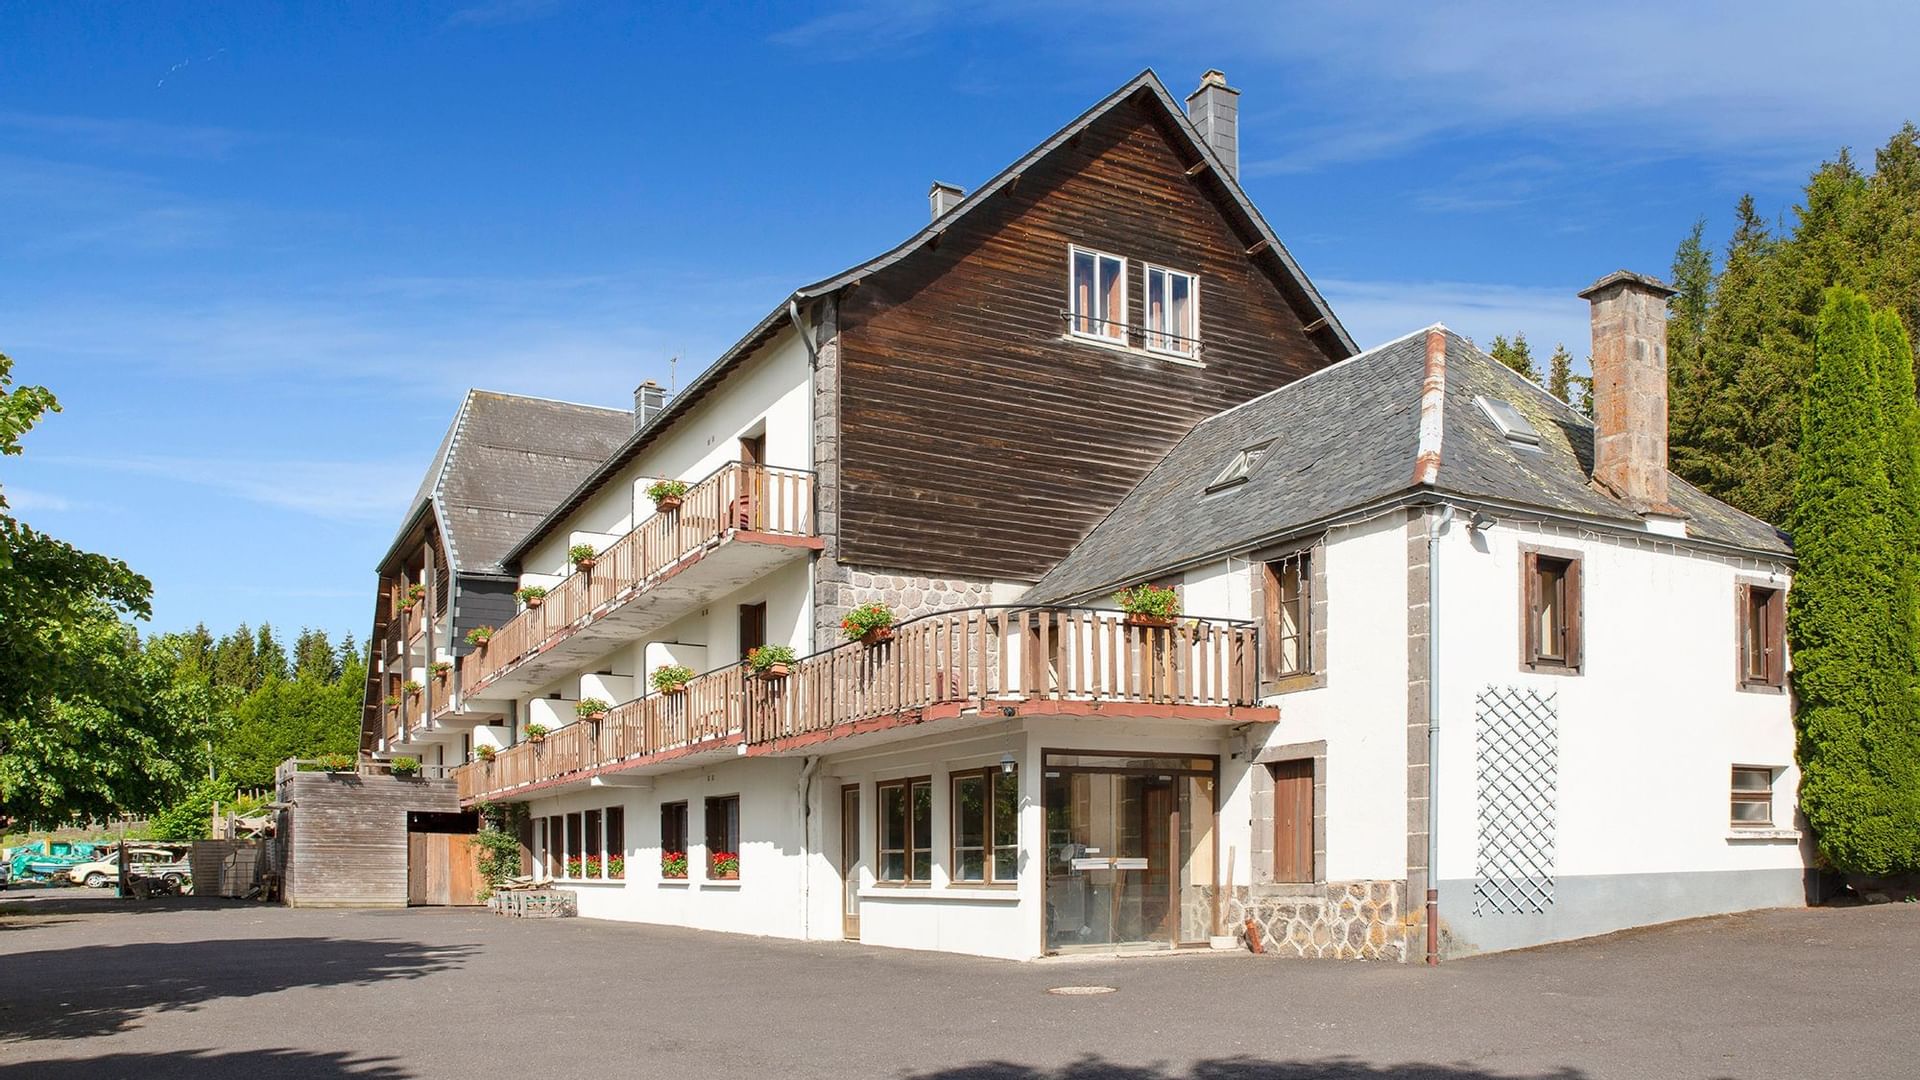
1337 920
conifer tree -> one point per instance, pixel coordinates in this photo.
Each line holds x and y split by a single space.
1560 374
1852 670
1515 354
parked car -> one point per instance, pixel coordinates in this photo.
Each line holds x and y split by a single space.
143 862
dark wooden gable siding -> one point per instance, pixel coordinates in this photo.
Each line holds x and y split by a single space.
975 439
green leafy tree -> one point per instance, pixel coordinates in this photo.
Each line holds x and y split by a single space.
87 726
314 656
292 718
1849 612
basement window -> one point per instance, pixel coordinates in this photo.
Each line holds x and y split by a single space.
1513 427
1245 460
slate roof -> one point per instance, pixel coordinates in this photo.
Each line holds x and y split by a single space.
1347 437
1145 86
505 462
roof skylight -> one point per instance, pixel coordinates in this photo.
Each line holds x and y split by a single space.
1244 461
1512 426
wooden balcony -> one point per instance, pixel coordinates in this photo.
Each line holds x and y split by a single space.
731 528
983 662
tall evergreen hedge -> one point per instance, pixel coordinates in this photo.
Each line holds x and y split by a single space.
1855 517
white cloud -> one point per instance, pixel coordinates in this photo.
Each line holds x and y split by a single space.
503 12
33 501
348 491
1378 311
142 137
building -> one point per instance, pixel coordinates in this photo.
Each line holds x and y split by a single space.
988 430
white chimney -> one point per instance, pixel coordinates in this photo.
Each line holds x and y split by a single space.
944 197
1215 112
1630 388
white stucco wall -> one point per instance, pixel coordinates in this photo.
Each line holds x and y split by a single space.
770 394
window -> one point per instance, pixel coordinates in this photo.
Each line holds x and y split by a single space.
1173 312
1513 427
986 826
723 837
1752 797
1099 295
673 840
1763 646
1552 634
1241 466
906 831
753 628
574 839
1289 597
616 845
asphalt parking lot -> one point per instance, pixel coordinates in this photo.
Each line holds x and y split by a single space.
97 988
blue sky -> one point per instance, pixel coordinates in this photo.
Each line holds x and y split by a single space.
259 250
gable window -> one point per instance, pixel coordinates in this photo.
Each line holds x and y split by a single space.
1763 646
1173 312
906 831
1752 797
1098 293
1289 616
1552 632
986 826
673 840
1240 466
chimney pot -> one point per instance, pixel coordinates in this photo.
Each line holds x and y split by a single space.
1214 110
649 400
944 197
1630 388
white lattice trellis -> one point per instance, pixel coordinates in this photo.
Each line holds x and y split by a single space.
1517 762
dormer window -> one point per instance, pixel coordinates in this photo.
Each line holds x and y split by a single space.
1237 470
1098 293
1173 312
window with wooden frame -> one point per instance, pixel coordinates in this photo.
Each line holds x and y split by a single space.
1752 797
723 837
905 809
673 840
1097 293
614 850
1289 616
1173 312
986 826
571 866
1551 637
1763 636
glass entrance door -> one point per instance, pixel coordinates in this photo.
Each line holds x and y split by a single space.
1129 851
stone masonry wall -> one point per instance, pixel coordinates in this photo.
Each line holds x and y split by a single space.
1340 920
909 595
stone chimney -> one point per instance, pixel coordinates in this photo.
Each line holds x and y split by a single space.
1215 112
1630 388
648 401
944 197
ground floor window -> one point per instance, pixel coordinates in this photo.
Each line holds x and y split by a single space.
673 841
590 845
1752 797
986 826
906 830
723 837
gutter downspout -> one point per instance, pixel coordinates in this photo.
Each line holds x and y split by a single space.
807 770
1433 733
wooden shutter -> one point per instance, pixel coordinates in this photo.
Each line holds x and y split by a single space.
1572 608
1777 637
1742 616
1530 624
1270 656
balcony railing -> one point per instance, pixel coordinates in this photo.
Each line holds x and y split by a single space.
734 499
982 658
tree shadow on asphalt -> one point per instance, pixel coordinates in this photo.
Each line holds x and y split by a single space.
82 992
1236 1068
30 910
209 1065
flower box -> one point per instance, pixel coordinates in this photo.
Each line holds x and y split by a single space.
667 503
1158 622
877 635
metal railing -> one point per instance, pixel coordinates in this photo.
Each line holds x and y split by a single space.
972 657
734 498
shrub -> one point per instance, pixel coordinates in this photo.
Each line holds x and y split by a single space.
865 619
661 490
580 553
479 635
670 678
404 766
530 593
497 844
590 707
1149 600
766 656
